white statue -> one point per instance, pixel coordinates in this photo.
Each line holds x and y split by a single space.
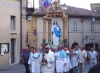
56 33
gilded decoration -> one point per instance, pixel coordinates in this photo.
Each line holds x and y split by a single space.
54 10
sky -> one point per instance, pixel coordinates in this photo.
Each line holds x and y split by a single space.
75 3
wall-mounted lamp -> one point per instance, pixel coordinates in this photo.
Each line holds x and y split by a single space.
29 18
93 19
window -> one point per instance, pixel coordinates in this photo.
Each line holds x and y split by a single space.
30 3
12 24
75 25
92 26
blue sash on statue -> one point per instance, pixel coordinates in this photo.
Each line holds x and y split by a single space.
62 54
57 33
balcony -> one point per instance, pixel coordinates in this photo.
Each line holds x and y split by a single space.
29 11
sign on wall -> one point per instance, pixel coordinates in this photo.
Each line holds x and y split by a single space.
4 48
91 40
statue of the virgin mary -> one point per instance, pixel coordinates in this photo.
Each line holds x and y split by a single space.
56 33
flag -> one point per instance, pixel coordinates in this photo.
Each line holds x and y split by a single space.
46 3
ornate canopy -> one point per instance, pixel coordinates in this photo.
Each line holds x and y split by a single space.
54 10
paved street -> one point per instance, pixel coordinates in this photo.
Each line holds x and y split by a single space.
12 69
20 69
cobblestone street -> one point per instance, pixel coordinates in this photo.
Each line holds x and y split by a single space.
20 69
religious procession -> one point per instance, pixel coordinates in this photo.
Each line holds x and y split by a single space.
57 58
61 60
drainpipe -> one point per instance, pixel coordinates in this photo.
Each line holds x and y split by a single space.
26 3
68 32
82 33
20 25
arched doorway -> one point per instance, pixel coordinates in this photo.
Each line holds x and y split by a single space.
74 44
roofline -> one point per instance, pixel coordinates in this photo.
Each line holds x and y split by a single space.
78 16
95 3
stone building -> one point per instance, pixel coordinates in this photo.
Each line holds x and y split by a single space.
12 31
95 7
82 24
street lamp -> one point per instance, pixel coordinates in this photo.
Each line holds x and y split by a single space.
82 32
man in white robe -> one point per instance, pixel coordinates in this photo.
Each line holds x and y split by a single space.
60 60
71 61
75 56
34 61
48 59
67 67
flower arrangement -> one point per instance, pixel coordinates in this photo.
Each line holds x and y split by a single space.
61 42
50 43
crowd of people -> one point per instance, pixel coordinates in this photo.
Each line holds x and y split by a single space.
61 60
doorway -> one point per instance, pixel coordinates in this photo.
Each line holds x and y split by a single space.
74 44
91 45
13 44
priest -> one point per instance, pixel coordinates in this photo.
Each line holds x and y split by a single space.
61 60
47 61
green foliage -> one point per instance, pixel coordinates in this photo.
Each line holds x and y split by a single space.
49 43
61 42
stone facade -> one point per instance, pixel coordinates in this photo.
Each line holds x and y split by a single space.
74 35
83 25
11 8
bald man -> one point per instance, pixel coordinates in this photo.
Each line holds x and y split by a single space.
48 67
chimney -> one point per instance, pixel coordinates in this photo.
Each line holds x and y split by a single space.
40 4
95 7
59 2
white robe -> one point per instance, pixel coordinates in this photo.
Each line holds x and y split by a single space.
71 62
55 38
67 67
60 63
49 67
75 58
35 64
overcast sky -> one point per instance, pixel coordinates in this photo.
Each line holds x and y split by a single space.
76 3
